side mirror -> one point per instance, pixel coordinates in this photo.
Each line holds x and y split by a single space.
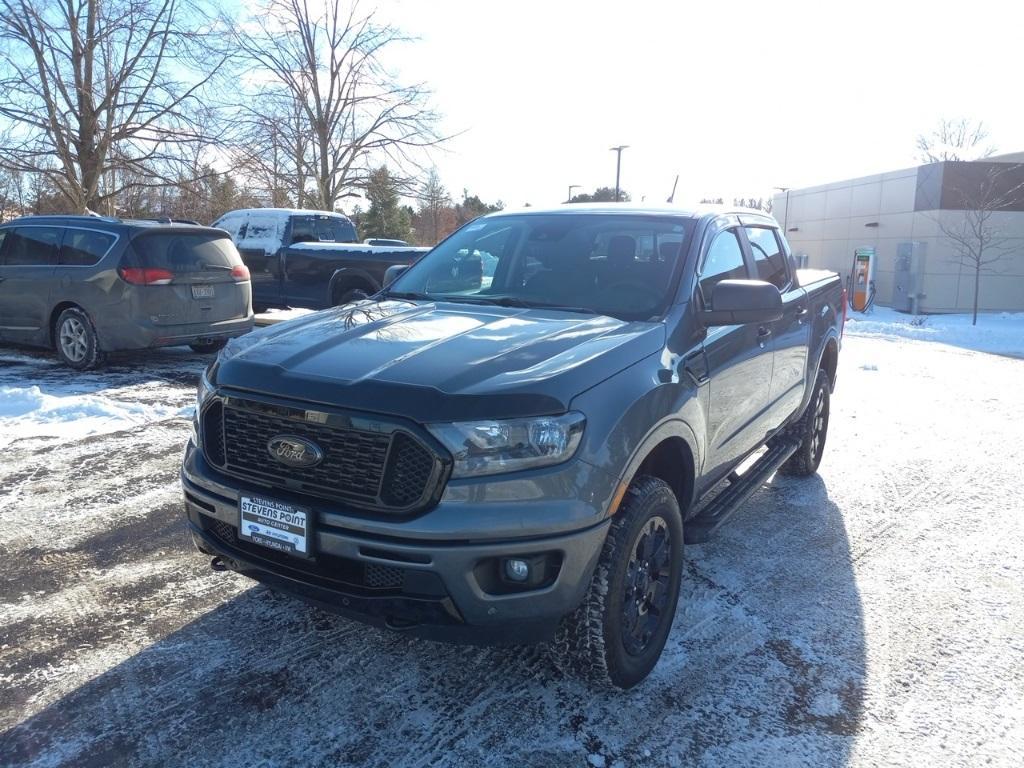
392 273
734 302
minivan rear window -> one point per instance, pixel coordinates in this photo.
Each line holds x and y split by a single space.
183 252
84 247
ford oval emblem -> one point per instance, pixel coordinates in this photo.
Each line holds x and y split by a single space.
295 451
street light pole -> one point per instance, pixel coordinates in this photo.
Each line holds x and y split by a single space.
571 188
618 166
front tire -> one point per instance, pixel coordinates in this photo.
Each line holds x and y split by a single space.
811 430
343 297
617 634
76 340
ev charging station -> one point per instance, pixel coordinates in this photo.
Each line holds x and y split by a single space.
862 279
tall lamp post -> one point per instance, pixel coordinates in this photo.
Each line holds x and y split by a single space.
618 166
785 216
571 188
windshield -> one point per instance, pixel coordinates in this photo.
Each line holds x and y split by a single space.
618 265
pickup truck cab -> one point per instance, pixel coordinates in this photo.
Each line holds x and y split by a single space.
517 457
311 259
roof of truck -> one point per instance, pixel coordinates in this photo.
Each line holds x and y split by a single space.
640 209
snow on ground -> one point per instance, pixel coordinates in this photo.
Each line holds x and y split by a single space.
55 406
999 333
872 615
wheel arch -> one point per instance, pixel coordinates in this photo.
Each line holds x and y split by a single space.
58 308
669 453
349 278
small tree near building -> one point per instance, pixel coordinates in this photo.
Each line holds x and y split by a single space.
982 191
956 139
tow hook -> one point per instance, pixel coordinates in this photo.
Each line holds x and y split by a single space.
218 564
399 625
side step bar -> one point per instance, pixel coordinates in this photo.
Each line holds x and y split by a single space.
699 529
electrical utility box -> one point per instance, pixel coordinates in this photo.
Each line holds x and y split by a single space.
908 277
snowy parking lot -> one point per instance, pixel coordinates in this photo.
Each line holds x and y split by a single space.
872 615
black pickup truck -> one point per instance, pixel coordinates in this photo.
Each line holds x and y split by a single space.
300 258
512 452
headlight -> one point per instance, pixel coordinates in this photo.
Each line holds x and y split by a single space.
490 447
203 391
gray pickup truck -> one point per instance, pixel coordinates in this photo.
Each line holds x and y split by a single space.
513 454
311 259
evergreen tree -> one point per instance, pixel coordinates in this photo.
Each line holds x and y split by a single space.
386 217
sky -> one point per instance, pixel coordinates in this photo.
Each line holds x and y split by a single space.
736 98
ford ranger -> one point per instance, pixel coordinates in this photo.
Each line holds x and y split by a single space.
517 456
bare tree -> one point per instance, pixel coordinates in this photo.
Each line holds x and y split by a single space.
328 55
956 139
434 199
100 86
982 191
272 147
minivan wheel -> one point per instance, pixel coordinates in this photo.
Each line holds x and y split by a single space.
207 347
76 340
617 634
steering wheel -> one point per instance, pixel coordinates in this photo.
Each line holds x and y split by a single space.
634 289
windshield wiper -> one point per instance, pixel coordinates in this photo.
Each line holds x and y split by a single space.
217 267
513 301
408 295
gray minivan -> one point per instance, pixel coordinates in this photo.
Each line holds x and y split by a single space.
89 285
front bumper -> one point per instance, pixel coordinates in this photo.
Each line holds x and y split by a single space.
432 587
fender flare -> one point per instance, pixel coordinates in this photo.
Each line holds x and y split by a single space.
812 372
354 274
665 429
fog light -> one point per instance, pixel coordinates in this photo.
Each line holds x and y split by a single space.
517 570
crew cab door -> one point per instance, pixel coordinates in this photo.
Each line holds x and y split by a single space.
739 359
790 334
310 261
259 238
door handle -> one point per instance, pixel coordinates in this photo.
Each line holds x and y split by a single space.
801 314
763 334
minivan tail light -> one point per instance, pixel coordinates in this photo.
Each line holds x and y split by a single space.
146 275
240 272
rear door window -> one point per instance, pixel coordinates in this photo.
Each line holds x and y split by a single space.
769 257
84 247
32 246
724 261
185 252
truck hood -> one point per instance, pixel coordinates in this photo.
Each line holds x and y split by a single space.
438 361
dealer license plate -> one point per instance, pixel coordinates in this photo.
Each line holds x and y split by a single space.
271 524
202 291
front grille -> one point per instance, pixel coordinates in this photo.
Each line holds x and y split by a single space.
381 468
213 433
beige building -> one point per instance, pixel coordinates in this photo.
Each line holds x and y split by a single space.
904 216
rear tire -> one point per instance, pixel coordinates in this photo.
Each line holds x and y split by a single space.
347 296
811 430
208 347
616 636
76 341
